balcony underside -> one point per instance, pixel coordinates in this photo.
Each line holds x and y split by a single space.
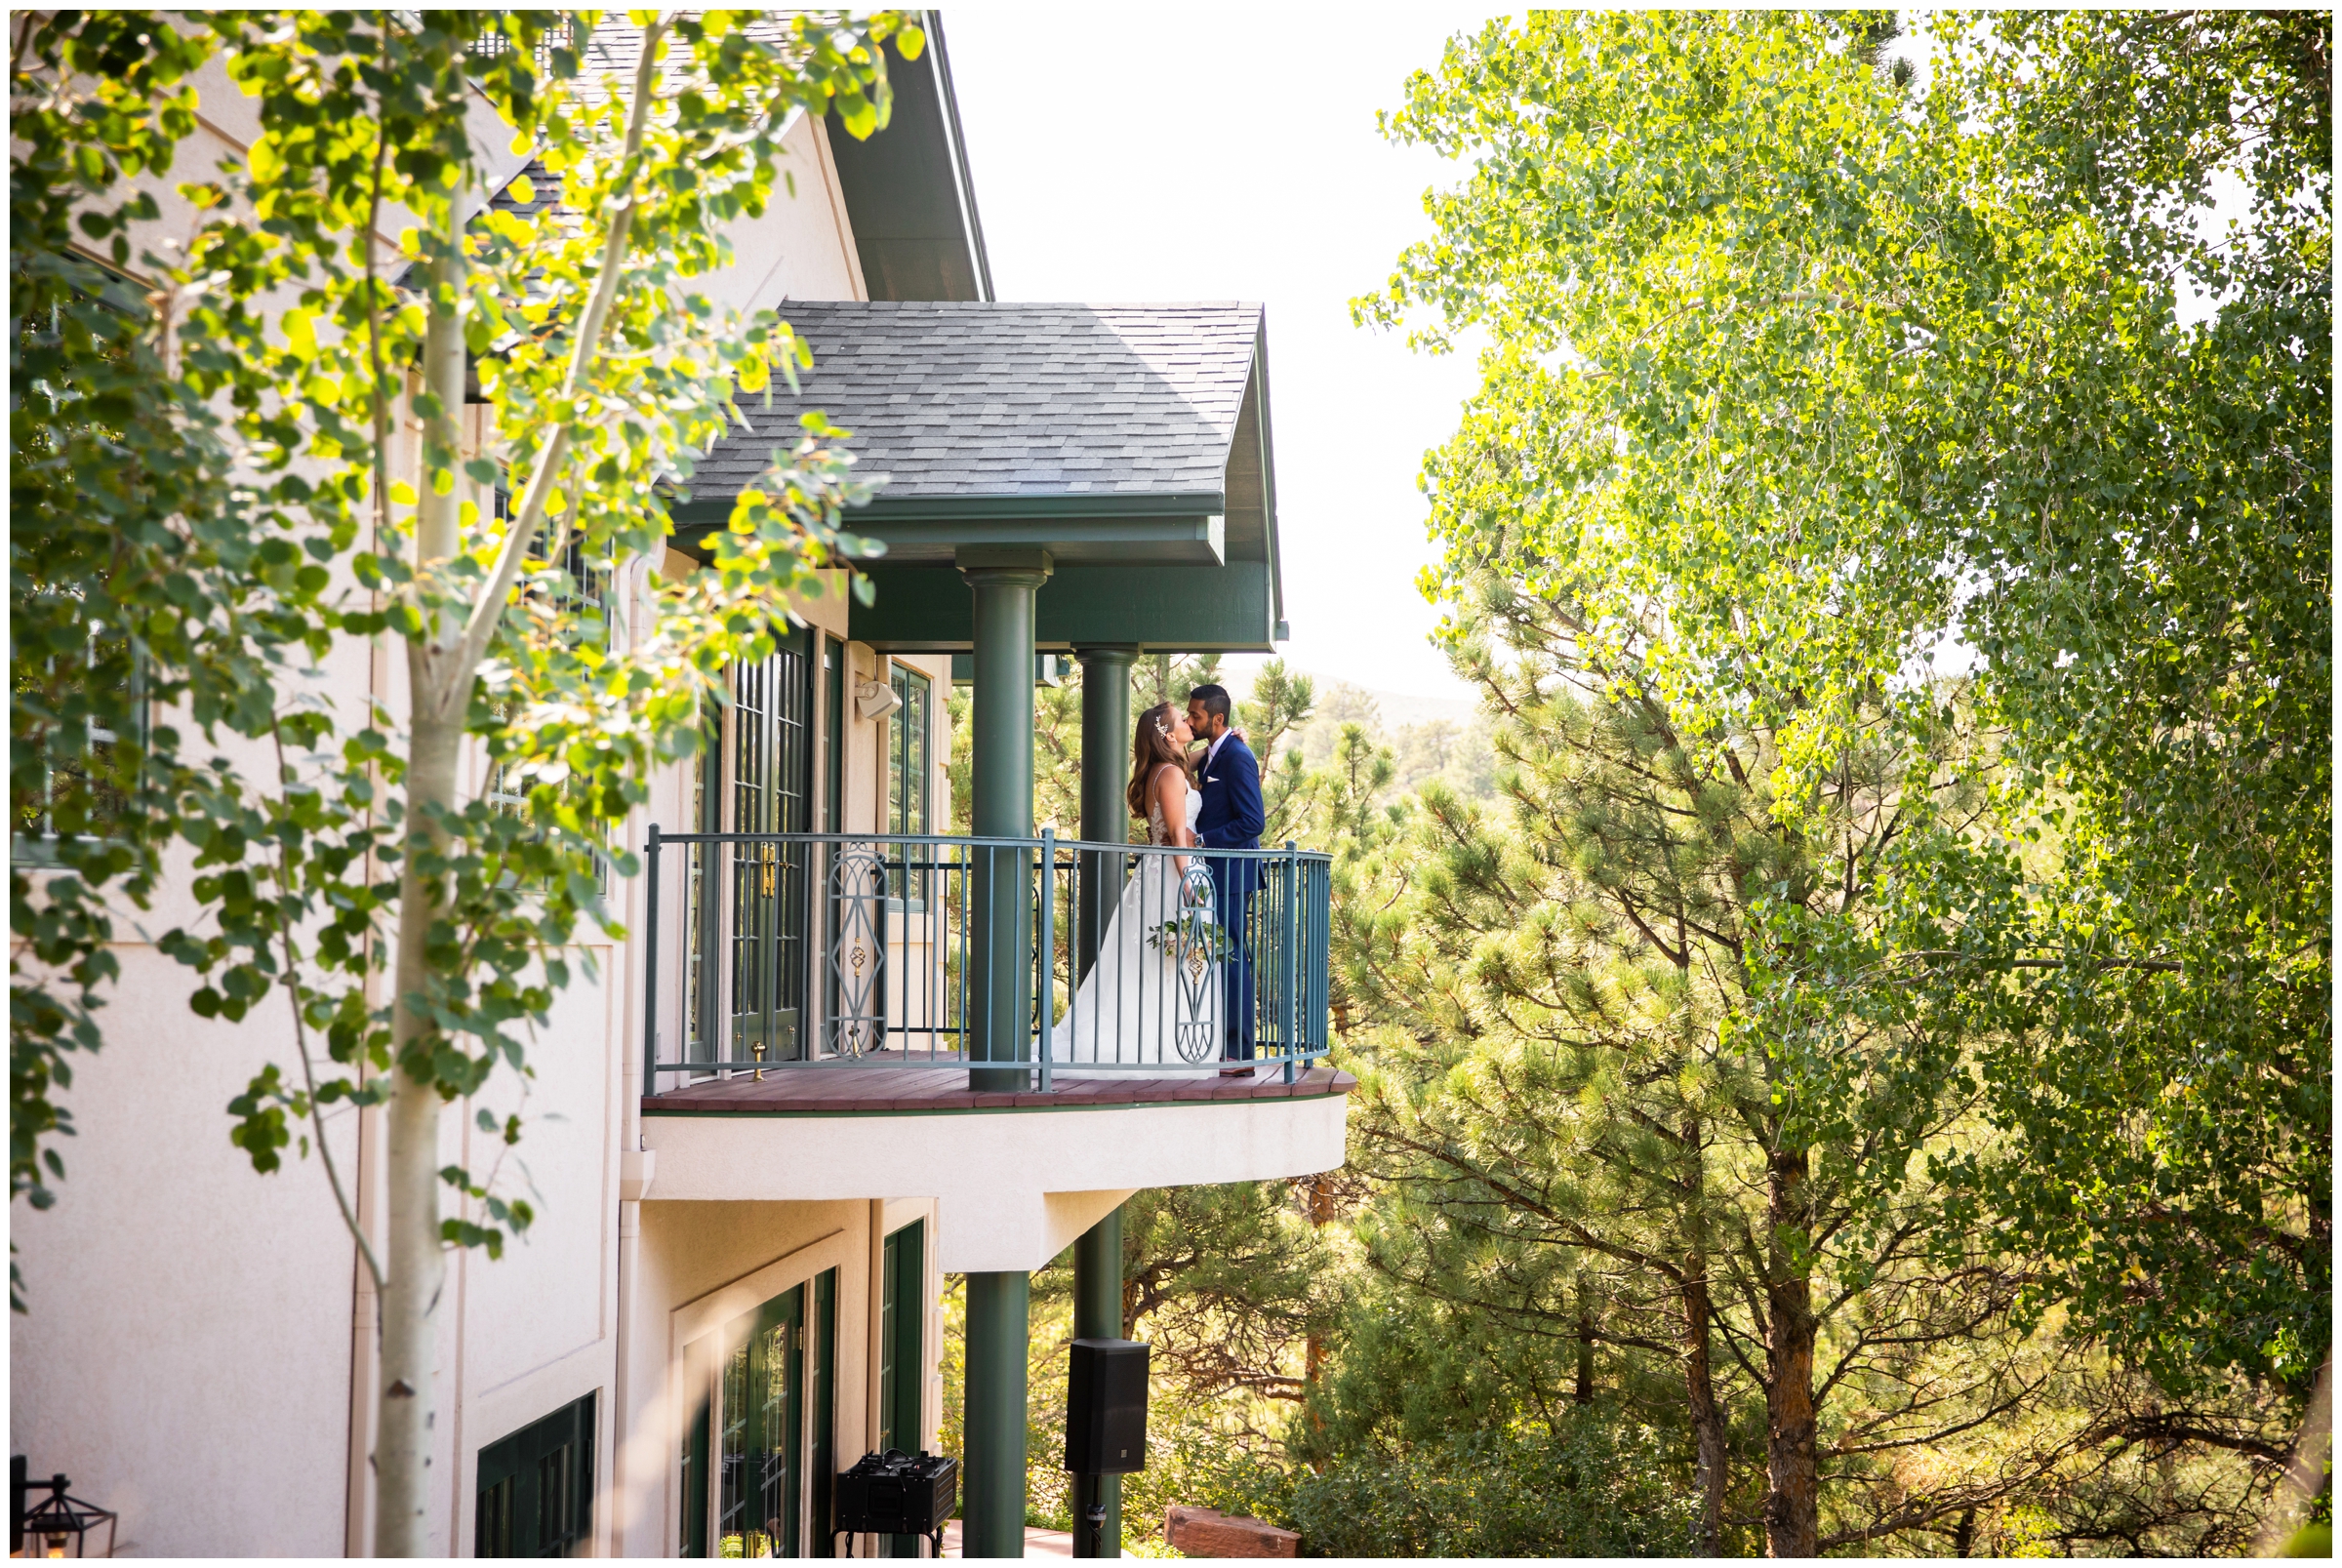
796 1091
1016 1176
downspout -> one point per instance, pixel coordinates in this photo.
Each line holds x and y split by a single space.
634 1170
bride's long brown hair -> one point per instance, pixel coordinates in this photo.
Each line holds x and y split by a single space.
1150 748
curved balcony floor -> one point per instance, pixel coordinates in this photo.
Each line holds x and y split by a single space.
1016 1176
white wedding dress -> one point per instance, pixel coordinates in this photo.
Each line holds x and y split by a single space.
1153 997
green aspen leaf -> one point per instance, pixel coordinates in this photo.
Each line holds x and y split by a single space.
402 494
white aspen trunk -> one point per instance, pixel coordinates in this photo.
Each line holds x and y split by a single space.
440 666
414 1257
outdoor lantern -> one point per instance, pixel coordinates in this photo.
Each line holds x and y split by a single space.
875 698
47 1529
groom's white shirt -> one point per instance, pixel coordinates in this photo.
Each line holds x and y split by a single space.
1213 751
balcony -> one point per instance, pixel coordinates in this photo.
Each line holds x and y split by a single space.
851 1015
1039 966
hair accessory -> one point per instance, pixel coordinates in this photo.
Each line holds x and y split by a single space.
1162 728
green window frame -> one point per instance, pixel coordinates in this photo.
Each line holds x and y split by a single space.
834 733
909 776
532 1496
909 760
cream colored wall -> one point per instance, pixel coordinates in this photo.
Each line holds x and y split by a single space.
802 247
186 1360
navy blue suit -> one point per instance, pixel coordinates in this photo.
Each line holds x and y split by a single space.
1231 816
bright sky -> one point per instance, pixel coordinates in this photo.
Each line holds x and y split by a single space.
1204 153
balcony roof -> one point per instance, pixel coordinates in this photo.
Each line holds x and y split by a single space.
1115 436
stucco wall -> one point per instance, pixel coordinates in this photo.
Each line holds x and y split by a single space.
188 1356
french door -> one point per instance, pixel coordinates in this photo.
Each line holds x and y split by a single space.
774 1412
763 1432
749 901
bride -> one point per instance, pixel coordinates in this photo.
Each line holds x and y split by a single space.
1153 994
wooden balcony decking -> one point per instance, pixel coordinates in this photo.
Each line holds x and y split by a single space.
908 1089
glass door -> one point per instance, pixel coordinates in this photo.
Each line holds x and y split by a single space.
762 1398
768 788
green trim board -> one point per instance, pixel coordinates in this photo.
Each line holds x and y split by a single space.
902 1355
820 1459
1169 607
693 513
1189 536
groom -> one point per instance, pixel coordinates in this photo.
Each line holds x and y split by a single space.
1232 817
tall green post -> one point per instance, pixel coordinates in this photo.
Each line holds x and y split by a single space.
1098 1315
1004 583
993 1513
1106 743
1106 740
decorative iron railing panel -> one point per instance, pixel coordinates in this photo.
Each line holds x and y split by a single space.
1070 959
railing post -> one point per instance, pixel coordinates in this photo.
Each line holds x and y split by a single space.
1296 975
650 966
1044 949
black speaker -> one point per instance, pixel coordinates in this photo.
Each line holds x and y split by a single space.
897 1494
1106 1407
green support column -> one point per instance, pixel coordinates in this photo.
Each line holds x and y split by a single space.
999 964
993 1513
1098 1315
1000 782
1105 774
1105 819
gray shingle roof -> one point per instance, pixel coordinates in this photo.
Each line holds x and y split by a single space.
963 400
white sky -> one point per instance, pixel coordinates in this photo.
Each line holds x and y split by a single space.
1129 153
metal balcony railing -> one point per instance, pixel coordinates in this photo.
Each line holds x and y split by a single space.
1058 958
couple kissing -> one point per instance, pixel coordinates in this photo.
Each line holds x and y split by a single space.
1173 981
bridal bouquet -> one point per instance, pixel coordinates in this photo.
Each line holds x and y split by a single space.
1193 933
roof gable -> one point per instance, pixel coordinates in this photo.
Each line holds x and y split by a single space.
1005 409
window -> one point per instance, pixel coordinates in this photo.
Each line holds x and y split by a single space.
587 613
909 763
909 769
535 1489
81 794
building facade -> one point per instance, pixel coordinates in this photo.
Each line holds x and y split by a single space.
823 1068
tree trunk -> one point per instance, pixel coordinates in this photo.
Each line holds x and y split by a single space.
1582 1394
1321 1211
1792 1506
1709 1473
413 1260
1710 1476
